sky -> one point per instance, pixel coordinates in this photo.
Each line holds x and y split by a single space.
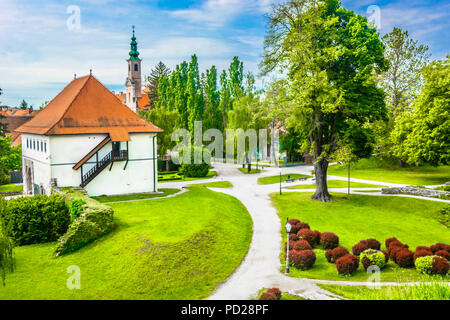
44 43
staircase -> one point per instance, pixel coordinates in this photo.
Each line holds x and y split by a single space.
112 156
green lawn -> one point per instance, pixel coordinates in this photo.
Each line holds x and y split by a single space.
361 217
370 170
174 248
11 187
276 179
424 291
211 174
337 184
252 171
136 196
216 184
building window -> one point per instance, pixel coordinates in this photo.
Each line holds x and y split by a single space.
28 144
45 146
34 144
42 146
136 67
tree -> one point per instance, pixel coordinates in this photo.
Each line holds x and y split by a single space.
213 117
3 126
10 158
330 55
153 81
422 136
23 105
402 81
236 72
194 92
43 105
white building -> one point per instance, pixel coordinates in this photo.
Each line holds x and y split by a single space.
86 137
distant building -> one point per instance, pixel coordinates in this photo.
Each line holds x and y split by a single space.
86 137
14 118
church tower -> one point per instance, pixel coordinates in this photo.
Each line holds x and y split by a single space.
133 83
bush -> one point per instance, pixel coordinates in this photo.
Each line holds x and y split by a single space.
443 216
389 241
192 169
276 292
329 240
418 248
373 244
316 237
268 296
302 259
405 258
95 220
333 254
75 209
347 264
371 257
6 256
359 247
386 256
291 245
424 264
439 246
422 253
293 237
302 245
308 235
440 266
443 254
296 227
31 220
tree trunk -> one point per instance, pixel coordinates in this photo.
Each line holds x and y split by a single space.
320 171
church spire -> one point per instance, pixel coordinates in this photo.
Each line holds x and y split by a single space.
134 53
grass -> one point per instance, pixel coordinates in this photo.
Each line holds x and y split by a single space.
337 184
216 184
252 171
11 187
367 191
276 179
370 169
136 196
361 217
211 174
174 248
423 291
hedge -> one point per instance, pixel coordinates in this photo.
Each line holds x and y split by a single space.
94 221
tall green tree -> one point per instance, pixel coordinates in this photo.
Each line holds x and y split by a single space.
23 105
423 136
213 117
194 92
236 73
153 81
330 55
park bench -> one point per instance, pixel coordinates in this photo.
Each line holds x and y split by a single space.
289 180
302 179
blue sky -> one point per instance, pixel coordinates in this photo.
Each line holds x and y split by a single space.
39 54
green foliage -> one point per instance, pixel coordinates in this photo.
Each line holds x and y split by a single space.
153 81
422 136
443 216
375 257
75 209
189 167
6 256
38 219
95 220
424 264
10 158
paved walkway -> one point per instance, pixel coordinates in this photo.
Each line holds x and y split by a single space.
261 266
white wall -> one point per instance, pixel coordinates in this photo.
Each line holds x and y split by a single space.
36 156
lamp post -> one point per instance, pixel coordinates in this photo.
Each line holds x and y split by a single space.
288 230
280 181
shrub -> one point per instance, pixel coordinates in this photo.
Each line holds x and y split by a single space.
38 219
329 240
422 253
386 256
95 220
423 248
75 209
440 266
439 246
291 245
293 221
443 254
371 257
192 169
302 245
302 259
6 256
333 254
347 264
294 225
389 241
373 244
443 216
393 251
268 296
316 236
303 225
424 264
308 235
405 258
276 292
293 237
359 247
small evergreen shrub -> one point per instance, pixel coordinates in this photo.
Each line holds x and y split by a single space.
371 257
308 235
75 209
424 264
405 258
329 240
302 245
347 264
303 260
31 220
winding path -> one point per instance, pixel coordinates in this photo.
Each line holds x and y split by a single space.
261 266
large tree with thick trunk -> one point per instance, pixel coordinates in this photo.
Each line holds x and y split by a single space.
330 56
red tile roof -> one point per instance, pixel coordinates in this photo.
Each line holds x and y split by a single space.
86 106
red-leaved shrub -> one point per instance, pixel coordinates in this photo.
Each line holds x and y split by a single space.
422 253
293 237
386 256
308 235
328 255
423 248
276 292
329 240
316 236
291 245
439 246
293 221
268 296
360 247
336 253
302 245
389 241
443 254
440 266
373 244
405 258
347 264
302 259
